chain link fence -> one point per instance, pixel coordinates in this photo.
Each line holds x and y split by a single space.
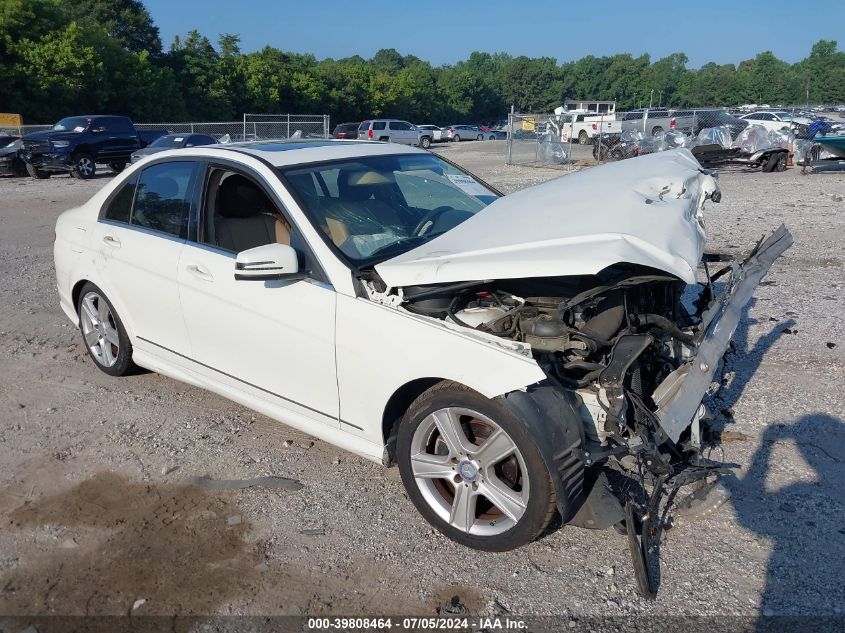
253 127
578 138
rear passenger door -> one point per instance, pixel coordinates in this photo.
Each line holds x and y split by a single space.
138 241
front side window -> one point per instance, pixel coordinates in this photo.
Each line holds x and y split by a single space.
374 208
163 198
72 124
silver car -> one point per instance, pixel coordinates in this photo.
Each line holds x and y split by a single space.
394 131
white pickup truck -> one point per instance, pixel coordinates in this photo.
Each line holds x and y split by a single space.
583 126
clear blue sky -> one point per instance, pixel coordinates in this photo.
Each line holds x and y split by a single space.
443 32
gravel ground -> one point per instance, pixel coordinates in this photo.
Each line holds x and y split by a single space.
97 512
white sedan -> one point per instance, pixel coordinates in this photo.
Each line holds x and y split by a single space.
776 121
500 350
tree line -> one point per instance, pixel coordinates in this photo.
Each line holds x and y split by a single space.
61 57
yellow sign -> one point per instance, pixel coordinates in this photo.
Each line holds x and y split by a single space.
10 120
529 125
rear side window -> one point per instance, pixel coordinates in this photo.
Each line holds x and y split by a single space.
120 207
378 125
163 199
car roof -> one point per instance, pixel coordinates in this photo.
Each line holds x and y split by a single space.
283 153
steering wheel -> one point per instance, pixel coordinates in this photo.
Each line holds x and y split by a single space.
431 216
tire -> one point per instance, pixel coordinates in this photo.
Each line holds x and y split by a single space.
103 333
385 139
456 138
529 494
776 162
19 168
583 139
425 142
36 173
117 167
83 166
656 130
480 137
492 137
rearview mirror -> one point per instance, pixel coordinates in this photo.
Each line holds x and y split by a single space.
268 262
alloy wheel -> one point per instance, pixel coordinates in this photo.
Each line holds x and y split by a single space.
99 329
469 471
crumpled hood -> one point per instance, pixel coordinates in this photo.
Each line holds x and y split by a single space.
645 210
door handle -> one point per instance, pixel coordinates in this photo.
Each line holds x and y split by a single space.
200 271
112 241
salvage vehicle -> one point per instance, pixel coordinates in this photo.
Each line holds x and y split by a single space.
173 141
11 162
504 351
76 144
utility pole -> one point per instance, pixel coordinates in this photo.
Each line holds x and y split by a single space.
651 98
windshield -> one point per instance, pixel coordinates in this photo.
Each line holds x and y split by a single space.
72 124
376 207
170 140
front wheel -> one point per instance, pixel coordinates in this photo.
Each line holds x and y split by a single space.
105 337
472 469
456 138
776 162
83 167
583 138
117 167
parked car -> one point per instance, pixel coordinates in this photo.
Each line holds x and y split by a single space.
436 132
11 163
495 135
651 121
584 126
76 144
173 141
693 121
346 130
775 120
394 131
498 349
458 133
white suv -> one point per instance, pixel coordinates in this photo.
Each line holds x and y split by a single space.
394 131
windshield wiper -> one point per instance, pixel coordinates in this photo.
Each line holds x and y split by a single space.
388 250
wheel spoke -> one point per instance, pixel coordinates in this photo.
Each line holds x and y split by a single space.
111 335
90 310
508 501
430 466
102 310
92 338
449 424
462 515
105 347
495 448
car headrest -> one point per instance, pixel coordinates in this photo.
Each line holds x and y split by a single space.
359 184
239 197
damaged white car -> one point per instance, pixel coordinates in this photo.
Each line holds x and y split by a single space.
503 351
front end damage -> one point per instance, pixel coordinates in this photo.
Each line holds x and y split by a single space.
628 337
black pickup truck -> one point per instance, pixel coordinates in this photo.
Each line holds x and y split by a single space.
77 143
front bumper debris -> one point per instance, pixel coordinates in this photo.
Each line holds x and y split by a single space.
679 396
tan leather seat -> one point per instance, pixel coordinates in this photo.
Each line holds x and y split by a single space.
245 217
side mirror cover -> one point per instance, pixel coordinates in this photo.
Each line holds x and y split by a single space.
268 262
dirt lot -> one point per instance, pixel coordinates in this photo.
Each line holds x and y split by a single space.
97 513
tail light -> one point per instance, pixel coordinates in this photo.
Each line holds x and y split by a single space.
595 127
672 124
369 133
341 134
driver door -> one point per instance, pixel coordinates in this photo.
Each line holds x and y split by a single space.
274 339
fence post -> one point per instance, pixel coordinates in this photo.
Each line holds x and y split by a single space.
192 128
510 138
326 125
288 136
244 132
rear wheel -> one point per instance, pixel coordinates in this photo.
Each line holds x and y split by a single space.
83 166
480 137
117 167
425 142
473 470
36 173
102 331
656 130
583 139
456 138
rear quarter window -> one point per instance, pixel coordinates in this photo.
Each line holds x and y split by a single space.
120 207
378 125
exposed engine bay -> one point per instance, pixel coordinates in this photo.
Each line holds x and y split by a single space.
612 338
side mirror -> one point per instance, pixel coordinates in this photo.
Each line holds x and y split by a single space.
268 262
